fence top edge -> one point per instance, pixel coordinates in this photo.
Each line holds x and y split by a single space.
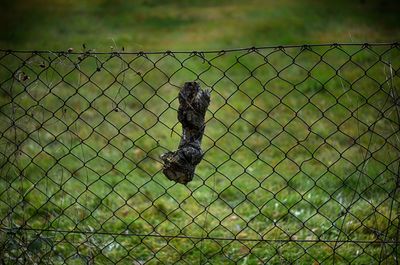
289 46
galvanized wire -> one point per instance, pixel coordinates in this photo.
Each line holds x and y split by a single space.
301 159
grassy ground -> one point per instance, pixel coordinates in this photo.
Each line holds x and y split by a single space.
151 25
285 157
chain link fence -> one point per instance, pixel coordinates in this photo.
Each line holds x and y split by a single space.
301 157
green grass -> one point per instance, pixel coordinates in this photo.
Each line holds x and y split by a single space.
193 25
283 157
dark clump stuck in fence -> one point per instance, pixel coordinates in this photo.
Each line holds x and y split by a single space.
180 165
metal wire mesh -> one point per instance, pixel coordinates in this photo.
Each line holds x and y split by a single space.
301 159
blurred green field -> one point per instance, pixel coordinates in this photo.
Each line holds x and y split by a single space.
193 25
294 139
